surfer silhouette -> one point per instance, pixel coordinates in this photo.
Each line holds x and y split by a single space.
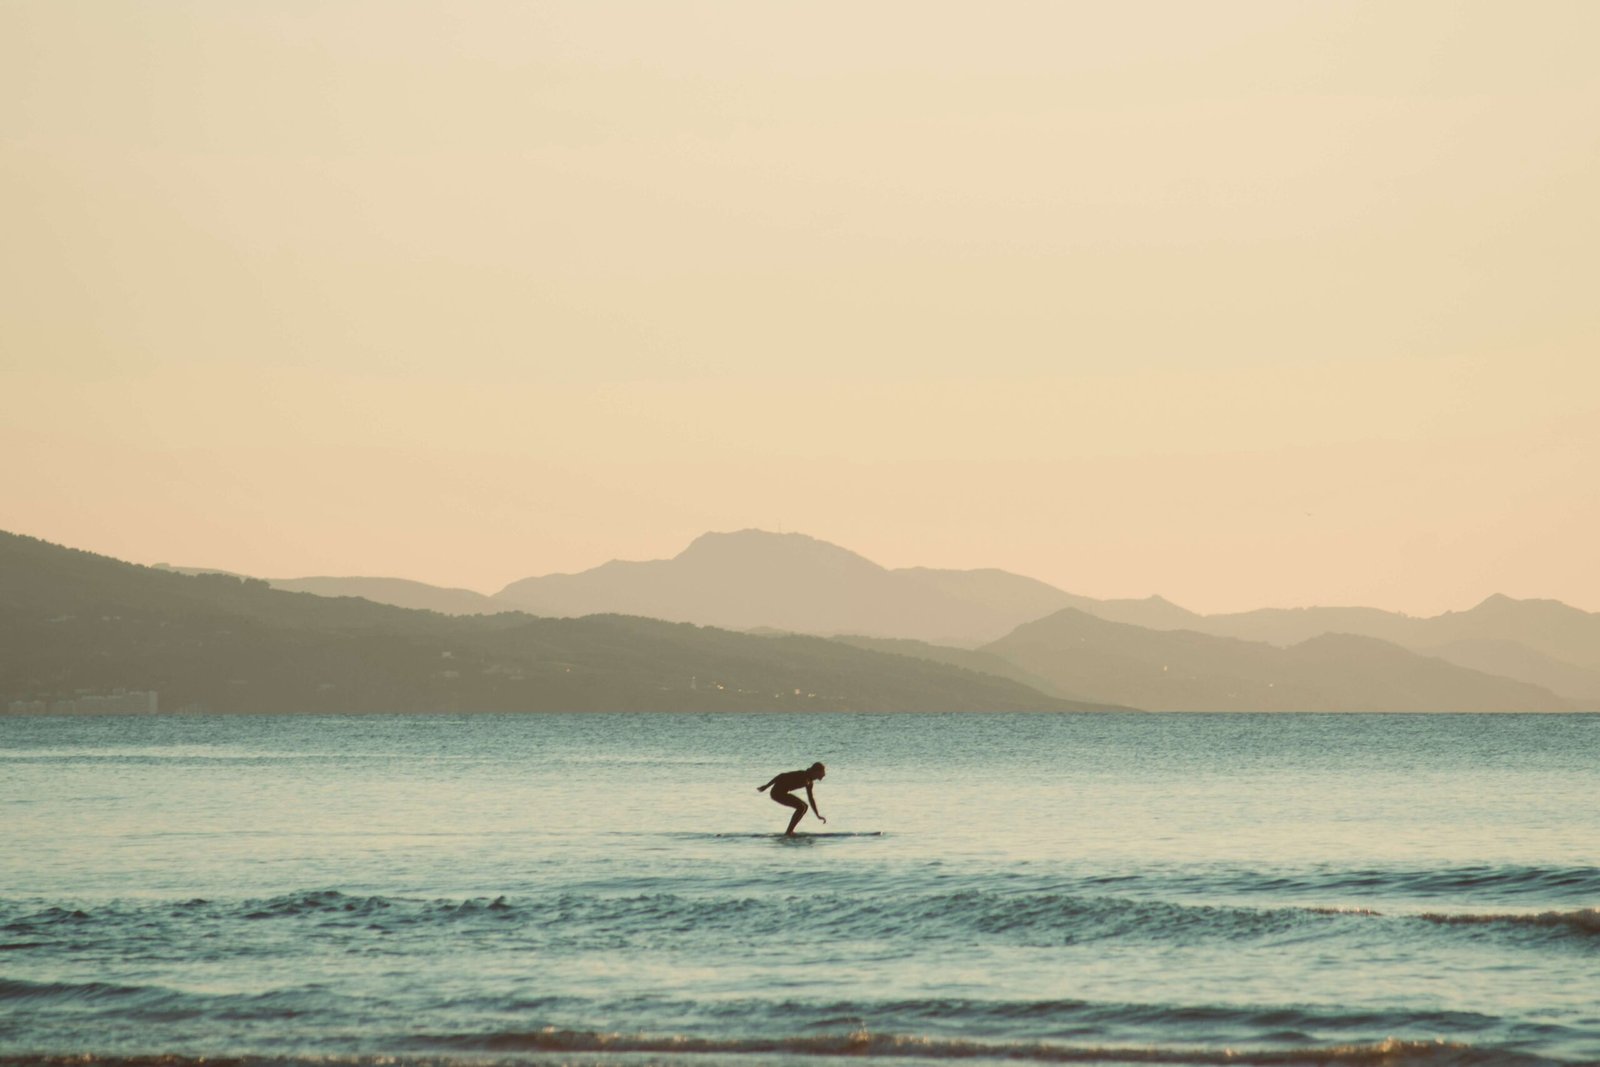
783 784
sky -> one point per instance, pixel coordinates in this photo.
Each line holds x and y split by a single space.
1242 303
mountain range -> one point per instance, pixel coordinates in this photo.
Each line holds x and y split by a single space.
1503 654
755 580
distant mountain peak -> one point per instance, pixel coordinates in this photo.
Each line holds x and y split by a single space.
1499 602
750 535
754 535
764 545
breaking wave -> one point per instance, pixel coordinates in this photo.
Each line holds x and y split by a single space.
1584 921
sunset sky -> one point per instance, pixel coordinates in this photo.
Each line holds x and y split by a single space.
1243 303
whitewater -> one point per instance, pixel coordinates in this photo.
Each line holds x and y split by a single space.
611 889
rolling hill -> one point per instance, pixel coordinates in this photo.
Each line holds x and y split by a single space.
1541 642
1183 670
400 592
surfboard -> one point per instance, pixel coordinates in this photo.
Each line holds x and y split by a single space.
825 833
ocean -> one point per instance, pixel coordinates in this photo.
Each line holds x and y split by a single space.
612 889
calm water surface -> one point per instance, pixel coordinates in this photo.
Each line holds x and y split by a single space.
607 889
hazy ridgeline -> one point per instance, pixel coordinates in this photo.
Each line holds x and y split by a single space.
751 621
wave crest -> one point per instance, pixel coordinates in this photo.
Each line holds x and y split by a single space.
863 1044
1584 921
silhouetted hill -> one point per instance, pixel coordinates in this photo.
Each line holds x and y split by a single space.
972 660
1290 626
753 579
1543 642
1183 670
1509 659
994 602
1547 626
71 620
400 592
1152 612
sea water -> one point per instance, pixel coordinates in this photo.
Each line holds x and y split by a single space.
611 889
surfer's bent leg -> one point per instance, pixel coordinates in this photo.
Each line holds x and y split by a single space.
797 804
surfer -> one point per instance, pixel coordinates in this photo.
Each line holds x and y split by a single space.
783 783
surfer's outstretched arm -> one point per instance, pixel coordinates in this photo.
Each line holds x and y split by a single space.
763 788
811 797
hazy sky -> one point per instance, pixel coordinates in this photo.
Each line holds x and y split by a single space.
1242 303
